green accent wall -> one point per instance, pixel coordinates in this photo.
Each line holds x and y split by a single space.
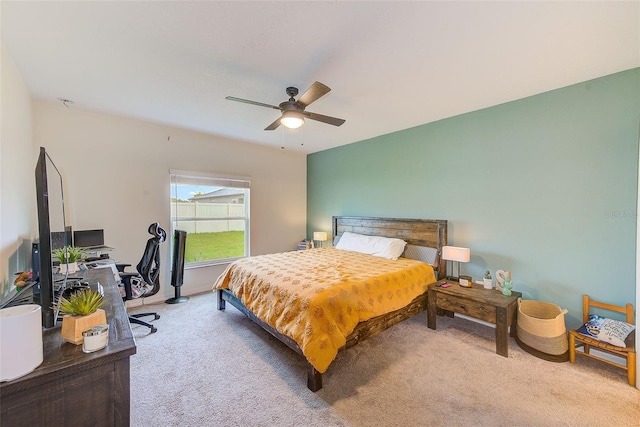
545 187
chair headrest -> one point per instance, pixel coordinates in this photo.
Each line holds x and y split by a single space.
158 232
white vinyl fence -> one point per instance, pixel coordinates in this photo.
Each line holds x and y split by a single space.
207 217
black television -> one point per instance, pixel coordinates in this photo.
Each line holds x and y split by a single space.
52 234
51 223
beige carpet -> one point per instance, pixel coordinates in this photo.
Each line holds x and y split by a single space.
205 367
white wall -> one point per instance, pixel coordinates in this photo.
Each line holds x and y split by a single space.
116 177
17 181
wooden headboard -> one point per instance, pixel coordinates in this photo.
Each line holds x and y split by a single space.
420 232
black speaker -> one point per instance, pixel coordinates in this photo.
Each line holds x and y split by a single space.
177 267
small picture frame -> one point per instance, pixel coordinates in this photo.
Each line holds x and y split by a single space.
465 281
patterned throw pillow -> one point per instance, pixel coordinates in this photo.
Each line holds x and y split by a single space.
607 330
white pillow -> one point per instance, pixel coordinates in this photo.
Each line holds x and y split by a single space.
384 247
608 330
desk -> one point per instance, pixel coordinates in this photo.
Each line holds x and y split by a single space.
72 388
95 253
485 304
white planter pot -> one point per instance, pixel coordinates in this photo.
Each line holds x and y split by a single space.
71 267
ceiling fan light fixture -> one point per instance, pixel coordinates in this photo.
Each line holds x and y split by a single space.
294 112
292 119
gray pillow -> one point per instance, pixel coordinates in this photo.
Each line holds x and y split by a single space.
421 253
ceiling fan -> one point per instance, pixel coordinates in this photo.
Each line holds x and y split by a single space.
293 112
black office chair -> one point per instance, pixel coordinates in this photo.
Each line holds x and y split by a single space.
145 282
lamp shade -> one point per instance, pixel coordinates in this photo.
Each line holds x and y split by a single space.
320 236
292 119
453 253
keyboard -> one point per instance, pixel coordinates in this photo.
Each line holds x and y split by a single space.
99 248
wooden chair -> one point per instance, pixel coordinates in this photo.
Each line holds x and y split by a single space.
587 343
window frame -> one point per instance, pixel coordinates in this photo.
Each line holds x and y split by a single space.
182 177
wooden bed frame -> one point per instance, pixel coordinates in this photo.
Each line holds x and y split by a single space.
419 232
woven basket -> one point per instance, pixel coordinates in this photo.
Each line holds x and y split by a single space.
541 330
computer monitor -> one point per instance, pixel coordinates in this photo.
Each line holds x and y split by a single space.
88 238
60 239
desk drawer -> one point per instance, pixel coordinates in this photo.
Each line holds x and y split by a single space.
466 306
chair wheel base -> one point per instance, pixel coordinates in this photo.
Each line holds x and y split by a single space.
135 318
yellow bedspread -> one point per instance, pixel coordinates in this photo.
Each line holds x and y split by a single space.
317 297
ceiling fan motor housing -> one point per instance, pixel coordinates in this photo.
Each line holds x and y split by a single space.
290 105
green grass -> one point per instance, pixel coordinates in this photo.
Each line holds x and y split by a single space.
208 246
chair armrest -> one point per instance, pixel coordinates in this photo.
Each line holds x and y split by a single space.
121 267
126 283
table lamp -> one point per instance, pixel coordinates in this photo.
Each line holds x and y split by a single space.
320 236
456 256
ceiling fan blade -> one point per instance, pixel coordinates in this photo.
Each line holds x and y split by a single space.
312 94
324 119
246 101
274 125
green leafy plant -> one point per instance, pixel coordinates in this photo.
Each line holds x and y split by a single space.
68 254
81 303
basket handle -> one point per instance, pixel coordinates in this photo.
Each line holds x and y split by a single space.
562 313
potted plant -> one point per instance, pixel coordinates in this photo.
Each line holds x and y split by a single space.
68 257
81 312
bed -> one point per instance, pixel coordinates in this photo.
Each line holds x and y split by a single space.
320 301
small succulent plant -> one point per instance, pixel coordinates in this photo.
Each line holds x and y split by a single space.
81 303
68 254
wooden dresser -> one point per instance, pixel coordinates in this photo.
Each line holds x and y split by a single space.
71 388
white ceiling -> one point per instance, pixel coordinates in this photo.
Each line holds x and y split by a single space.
391 65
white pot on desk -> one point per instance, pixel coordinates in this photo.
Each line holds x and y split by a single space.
71 267
20 341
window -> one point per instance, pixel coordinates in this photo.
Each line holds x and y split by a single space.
214 211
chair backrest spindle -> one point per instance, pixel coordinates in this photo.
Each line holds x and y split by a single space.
587 303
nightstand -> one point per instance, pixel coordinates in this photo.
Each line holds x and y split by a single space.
477 302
